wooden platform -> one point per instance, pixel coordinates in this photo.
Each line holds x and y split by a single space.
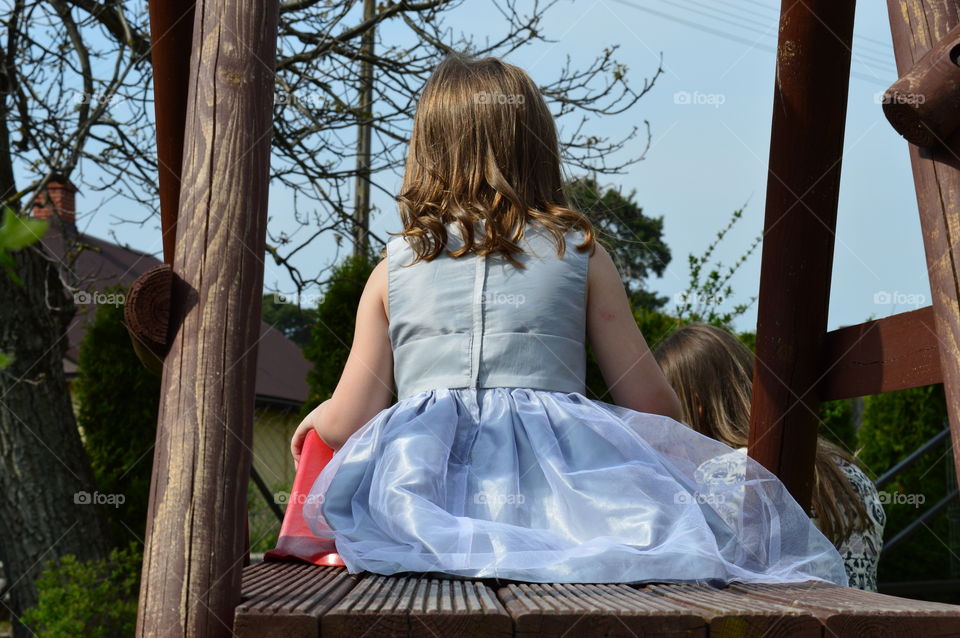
291 600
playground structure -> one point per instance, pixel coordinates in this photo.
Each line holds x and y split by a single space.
200 316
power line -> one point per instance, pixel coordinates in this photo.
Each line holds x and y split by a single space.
883 45
735 38
860 54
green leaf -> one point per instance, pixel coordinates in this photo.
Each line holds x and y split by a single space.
5 360
18 232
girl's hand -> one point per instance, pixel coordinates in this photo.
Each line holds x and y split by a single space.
310 422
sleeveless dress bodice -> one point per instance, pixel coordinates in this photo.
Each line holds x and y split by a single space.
482 322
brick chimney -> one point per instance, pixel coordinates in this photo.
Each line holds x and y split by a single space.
60 198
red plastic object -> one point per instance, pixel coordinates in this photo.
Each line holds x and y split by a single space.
296 541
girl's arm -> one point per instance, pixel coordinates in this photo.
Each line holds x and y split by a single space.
629 369
366 384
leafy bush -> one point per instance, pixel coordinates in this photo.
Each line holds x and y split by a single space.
895 424
87 599
332 334
118 400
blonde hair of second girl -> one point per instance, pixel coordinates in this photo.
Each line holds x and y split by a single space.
712 373
484 147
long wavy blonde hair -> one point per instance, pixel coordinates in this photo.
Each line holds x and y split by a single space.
712 373
484 148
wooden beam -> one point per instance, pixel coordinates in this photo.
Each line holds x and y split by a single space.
916 25
809 111
195 529
171 35
893 353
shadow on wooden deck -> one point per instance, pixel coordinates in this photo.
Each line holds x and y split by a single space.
292 600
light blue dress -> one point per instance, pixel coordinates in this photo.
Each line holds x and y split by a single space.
493 463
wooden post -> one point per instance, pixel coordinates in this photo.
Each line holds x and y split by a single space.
809 112
916 26
361 221
171 35
195 532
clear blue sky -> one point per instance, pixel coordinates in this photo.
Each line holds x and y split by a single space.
707 158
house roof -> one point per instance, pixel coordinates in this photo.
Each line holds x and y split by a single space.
281 367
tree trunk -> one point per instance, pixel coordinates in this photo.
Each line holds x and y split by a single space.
45 478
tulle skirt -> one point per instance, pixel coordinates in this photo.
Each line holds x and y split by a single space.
538 486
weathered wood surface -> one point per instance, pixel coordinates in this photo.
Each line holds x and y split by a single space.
287 599
195 529
916 26
292 600
893 353
417 606
924 104
146 313
845 612
803 183
731 613
575 610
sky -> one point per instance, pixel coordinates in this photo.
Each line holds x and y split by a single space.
710 116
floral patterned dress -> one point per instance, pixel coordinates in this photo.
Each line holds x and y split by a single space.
860 550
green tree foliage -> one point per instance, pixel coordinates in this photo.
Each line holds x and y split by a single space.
118 401
635 240
294 321
894 425
88 599
837 424
332 334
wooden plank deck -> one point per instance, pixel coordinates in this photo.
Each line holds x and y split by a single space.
293 600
